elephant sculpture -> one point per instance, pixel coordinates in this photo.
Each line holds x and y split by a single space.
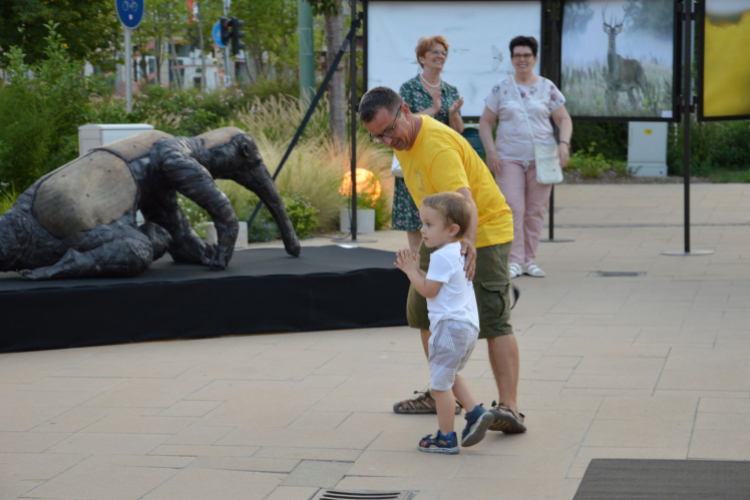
79 221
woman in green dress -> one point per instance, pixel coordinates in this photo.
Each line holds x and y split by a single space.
426 94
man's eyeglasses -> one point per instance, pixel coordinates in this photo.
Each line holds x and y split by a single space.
388 133
523 56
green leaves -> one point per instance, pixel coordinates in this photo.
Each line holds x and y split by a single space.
89 27
40 116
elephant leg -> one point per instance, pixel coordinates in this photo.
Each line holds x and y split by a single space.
24 244
158 236
129 254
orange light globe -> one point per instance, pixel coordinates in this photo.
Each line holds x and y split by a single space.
367 184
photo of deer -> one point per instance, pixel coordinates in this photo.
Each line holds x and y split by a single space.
618 58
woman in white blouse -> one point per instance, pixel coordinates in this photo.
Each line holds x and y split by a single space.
511 157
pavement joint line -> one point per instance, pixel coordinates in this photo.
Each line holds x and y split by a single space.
583 439
692 429
59 474
345 419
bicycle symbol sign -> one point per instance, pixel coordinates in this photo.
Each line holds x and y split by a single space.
130 12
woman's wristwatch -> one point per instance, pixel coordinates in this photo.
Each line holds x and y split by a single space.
565 142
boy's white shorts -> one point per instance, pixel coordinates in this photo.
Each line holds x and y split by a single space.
450 347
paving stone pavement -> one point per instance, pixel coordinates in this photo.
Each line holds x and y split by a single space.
656 366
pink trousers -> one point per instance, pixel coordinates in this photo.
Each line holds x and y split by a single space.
528 201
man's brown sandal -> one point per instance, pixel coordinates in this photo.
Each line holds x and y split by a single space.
421 405
507 420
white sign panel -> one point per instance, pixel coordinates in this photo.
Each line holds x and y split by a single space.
478 34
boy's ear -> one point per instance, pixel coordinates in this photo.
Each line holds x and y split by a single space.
454 229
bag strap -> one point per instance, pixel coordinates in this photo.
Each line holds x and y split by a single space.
523 105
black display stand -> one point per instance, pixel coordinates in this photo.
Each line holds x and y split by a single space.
688 16
261 291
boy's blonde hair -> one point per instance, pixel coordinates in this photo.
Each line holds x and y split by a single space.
453 209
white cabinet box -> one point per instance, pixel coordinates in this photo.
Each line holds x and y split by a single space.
93 136
647 149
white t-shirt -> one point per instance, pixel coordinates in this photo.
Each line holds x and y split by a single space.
455 300
513 141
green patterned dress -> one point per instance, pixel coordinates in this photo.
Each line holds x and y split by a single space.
405 213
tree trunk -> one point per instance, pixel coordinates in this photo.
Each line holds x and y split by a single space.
337 88
176 75
203 48
157 57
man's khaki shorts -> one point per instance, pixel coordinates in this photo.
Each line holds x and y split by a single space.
491 287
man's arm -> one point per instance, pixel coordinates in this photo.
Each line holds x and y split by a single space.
469 241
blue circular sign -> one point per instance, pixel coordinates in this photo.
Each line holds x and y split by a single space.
130 12
217 35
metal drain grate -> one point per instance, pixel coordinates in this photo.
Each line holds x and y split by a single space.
369 495
617 274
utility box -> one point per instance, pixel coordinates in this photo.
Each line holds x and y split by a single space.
647 149
93 136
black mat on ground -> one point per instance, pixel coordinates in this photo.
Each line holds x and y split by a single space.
263 290
610 479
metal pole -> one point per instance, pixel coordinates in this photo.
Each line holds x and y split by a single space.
687 95
552 213
128 71
306 53
226 48
553 73
687 98
353 113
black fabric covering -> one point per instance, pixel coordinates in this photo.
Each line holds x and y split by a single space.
261 291
610 479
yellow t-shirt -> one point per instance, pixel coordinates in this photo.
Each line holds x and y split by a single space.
442 160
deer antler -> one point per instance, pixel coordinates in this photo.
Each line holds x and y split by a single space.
613 21
604 20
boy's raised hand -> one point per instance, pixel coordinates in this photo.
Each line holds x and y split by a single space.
406 261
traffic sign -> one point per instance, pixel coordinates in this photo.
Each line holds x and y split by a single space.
130 12
217 35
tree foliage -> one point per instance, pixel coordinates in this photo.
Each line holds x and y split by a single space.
578 13
161 18
655 17
40 116
271 28
89 27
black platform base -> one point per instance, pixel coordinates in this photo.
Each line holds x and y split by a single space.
261 291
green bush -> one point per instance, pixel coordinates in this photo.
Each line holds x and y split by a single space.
591 164
301 213
611 137
8 195
186 112
40 115
714 146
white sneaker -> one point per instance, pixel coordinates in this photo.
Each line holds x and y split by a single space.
533 270
515 270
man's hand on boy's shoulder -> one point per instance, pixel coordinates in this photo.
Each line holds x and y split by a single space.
469 251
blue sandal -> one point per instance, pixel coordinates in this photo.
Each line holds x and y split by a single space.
440 444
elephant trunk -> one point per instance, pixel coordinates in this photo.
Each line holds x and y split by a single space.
262 184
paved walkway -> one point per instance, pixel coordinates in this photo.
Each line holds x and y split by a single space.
656 366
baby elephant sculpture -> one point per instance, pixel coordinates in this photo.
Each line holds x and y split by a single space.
80 220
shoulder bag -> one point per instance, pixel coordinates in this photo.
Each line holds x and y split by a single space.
547 157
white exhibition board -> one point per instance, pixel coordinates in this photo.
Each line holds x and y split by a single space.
478 33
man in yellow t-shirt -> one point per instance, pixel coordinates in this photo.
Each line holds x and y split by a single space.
435 159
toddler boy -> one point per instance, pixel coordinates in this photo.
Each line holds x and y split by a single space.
454 321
